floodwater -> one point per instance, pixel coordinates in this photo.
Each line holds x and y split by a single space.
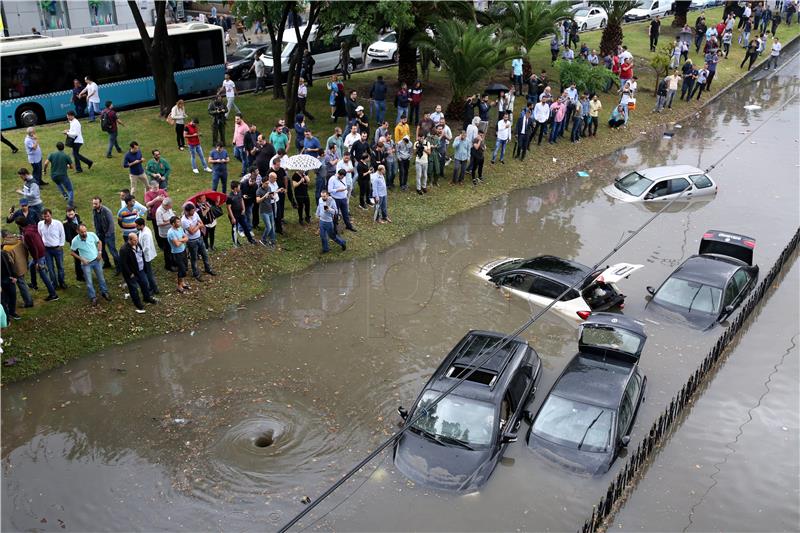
230 426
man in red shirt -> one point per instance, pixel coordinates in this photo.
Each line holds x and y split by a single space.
191 132
625 71
35 245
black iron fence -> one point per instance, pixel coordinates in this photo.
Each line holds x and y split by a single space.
619 488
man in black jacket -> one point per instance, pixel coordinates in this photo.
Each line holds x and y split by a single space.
523 130
217 111
377 95
132 262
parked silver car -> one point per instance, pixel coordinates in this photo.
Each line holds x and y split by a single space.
660 184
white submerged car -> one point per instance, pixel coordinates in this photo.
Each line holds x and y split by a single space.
662 184
384 49
542 279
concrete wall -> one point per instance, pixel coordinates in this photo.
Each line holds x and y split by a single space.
22 15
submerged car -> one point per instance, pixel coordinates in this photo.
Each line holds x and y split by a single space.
587 417
540 280
385 48
708 287
456 444
661 184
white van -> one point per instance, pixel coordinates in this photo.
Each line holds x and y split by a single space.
326 54
648 9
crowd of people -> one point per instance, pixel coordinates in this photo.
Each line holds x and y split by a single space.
254 183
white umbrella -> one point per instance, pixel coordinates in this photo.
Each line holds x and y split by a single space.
303 162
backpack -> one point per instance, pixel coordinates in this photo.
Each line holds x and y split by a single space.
105 123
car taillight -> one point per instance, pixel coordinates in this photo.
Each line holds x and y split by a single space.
749 243
584 314
708 235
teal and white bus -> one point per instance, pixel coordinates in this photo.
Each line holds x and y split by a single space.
38 72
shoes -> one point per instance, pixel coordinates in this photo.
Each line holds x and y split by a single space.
195 171
344 246
425 190
107 296
199 279
89 165
181 148
44 183
94 301
15 316
211 272
109 156
419 192
63 286
51 298
388 220
152 301
119 151
208 169
141 311
79 171
15 150
354 230
492 161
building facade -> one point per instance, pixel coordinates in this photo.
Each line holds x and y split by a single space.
69 17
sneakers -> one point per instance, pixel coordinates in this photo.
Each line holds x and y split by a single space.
211 272
195 171
141 311
51 298
344 246
208 169
15 316
107 296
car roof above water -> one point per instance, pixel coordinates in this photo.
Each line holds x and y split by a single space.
669 171
594 379
563 270
713 270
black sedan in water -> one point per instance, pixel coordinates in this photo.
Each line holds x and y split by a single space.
456 444
708 287
587 417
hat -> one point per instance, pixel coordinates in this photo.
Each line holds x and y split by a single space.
23 201
359 108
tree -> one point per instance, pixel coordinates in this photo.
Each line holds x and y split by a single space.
295 63
585 77
159 53
273 17
681 8
612 34
526 23
660 62
468 54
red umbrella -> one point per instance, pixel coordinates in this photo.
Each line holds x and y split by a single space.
217 197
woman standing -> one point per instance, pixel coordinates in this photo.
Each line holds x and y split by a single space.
333 87
476 154
416 100
626 95
177 118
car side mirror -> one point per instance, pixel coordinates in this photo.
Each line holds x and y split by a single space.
625 440
402 412
508 437
728 309
649 196
528 416
651 290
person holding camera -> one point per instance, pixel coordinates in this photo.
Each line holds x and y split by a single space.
422 149
326 210
266 198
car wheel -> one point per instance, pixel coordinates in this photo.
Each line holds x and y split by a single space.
603 23
583 27
395 57
29 115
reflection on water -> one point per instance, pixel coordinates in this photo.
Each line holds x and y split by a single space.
161 434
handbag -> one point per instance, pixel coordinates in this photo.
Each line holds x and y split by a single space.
170 120
69 141
216 211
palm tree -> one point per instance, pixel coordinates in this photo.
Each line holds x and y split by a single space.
525 23
612 34
469 55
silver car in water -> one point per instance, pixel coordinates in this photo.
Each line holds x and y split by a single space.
662 184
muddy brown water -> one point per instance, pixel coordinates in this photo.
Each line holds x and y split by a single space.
231 425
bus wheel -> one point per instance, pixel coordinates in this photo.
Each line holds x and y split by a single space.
29 115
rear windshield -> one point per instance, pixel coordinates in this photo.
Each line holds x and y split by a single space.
690 295
701 181
634 184
611 338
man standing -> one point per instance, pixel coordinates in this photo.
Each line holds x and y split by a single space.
219 114
326 209
337 140
92 95
283 189
278 137
164 214
132 257
158 169
261 73
148 245
30 192
379 193
35 245
516 69
109 123
461 147
672 87
503 135
133 162
775 53
653 31
59 162
230 90
177 241
577 119
240 129
266 198
524 127
75 136
235 205
302 99
71 225
339 192
377 96
191 133
299 184
401 101
218 158
127 215
86 247
34 151
52 233
104 230
193 227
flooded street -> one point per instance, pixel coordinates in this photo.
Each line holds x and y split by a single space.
230 426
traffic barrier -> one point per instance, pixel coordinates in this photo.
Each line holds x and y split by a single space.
620 487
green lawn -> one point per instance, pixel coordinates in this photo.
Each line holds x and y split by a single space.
43 339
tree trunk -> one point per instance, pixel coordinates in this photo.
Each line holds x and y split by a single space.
611 39
276 40
455 112
527 69
159 53
293 76
681 8
407 65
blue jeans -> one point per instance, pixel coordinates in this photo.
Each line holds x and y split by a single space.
41 267
195 150
343 206
112 142
24 291
54 255
577 124
269 226
400 112
150 277
241 154
383 207
36 172
196 247
94 107
378 109
391 170
326 232
65 188
109 245
218 176
320 182
96 267
501 146
557 127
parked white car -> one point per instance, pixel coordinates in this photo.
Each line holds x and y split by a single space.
648 9
590 18
384 49
326 54
542 279
662 184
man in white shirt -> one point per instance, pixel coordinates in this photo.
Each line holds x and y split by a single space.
541 114
351 137
503 135
75 135
775 54
92 94
52 232
437 115
193 227
230 90
625 54
347 165
163 215
148 245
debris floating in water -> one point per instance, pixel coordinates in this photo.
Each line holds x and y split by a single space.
583 174
678 126
668 134
752 107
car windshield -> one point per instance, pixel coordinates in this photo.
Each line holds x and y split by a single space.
634 184
468 421
574 424
690 295
612 338
581 12
241 53
391 38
